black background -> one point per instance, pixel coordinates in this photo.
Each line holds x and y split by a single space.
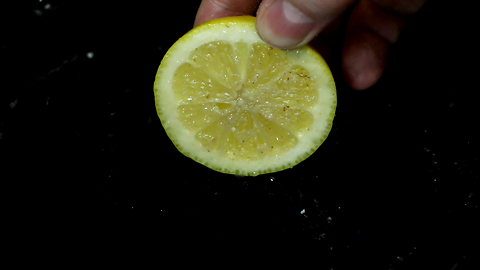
85 160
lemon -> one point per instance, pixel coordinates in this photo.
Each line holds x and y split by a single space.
231 102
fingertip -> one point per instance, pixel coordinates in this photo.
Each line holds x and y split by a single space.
364 58
283 25
361 80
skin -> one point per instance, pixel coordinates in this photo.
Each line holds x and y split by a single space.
372 27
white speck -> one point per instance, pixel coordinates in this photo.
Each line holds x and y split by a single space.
425 131
90 55
272 178
400 258
302 212
233 128
48 6
329 219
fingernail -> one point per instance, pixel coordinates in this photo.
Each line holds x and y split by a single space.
284 26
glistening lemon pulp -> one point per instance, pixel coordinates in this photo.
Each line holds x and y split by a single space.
237 105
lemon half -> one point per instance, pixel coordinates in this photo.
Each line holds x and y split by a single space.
233 103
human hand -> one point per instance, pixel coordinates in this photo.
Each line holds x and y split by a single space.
372 27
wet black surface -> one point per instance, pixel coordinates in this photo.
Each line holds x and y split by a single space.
84 158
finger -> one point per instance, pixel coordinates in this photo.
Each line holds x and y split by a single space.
370 32
212 9
364 58
404 7
289 24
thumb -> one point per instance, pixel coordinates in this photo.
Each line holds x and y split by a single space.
288 24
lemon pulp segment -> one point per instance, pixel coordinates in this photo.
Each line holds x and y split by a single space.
240 106
245 112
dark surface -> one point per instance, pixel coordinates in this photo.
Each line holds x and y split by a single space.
84 158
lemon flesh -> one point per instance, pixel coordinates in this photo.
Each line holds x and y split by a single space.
233 103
